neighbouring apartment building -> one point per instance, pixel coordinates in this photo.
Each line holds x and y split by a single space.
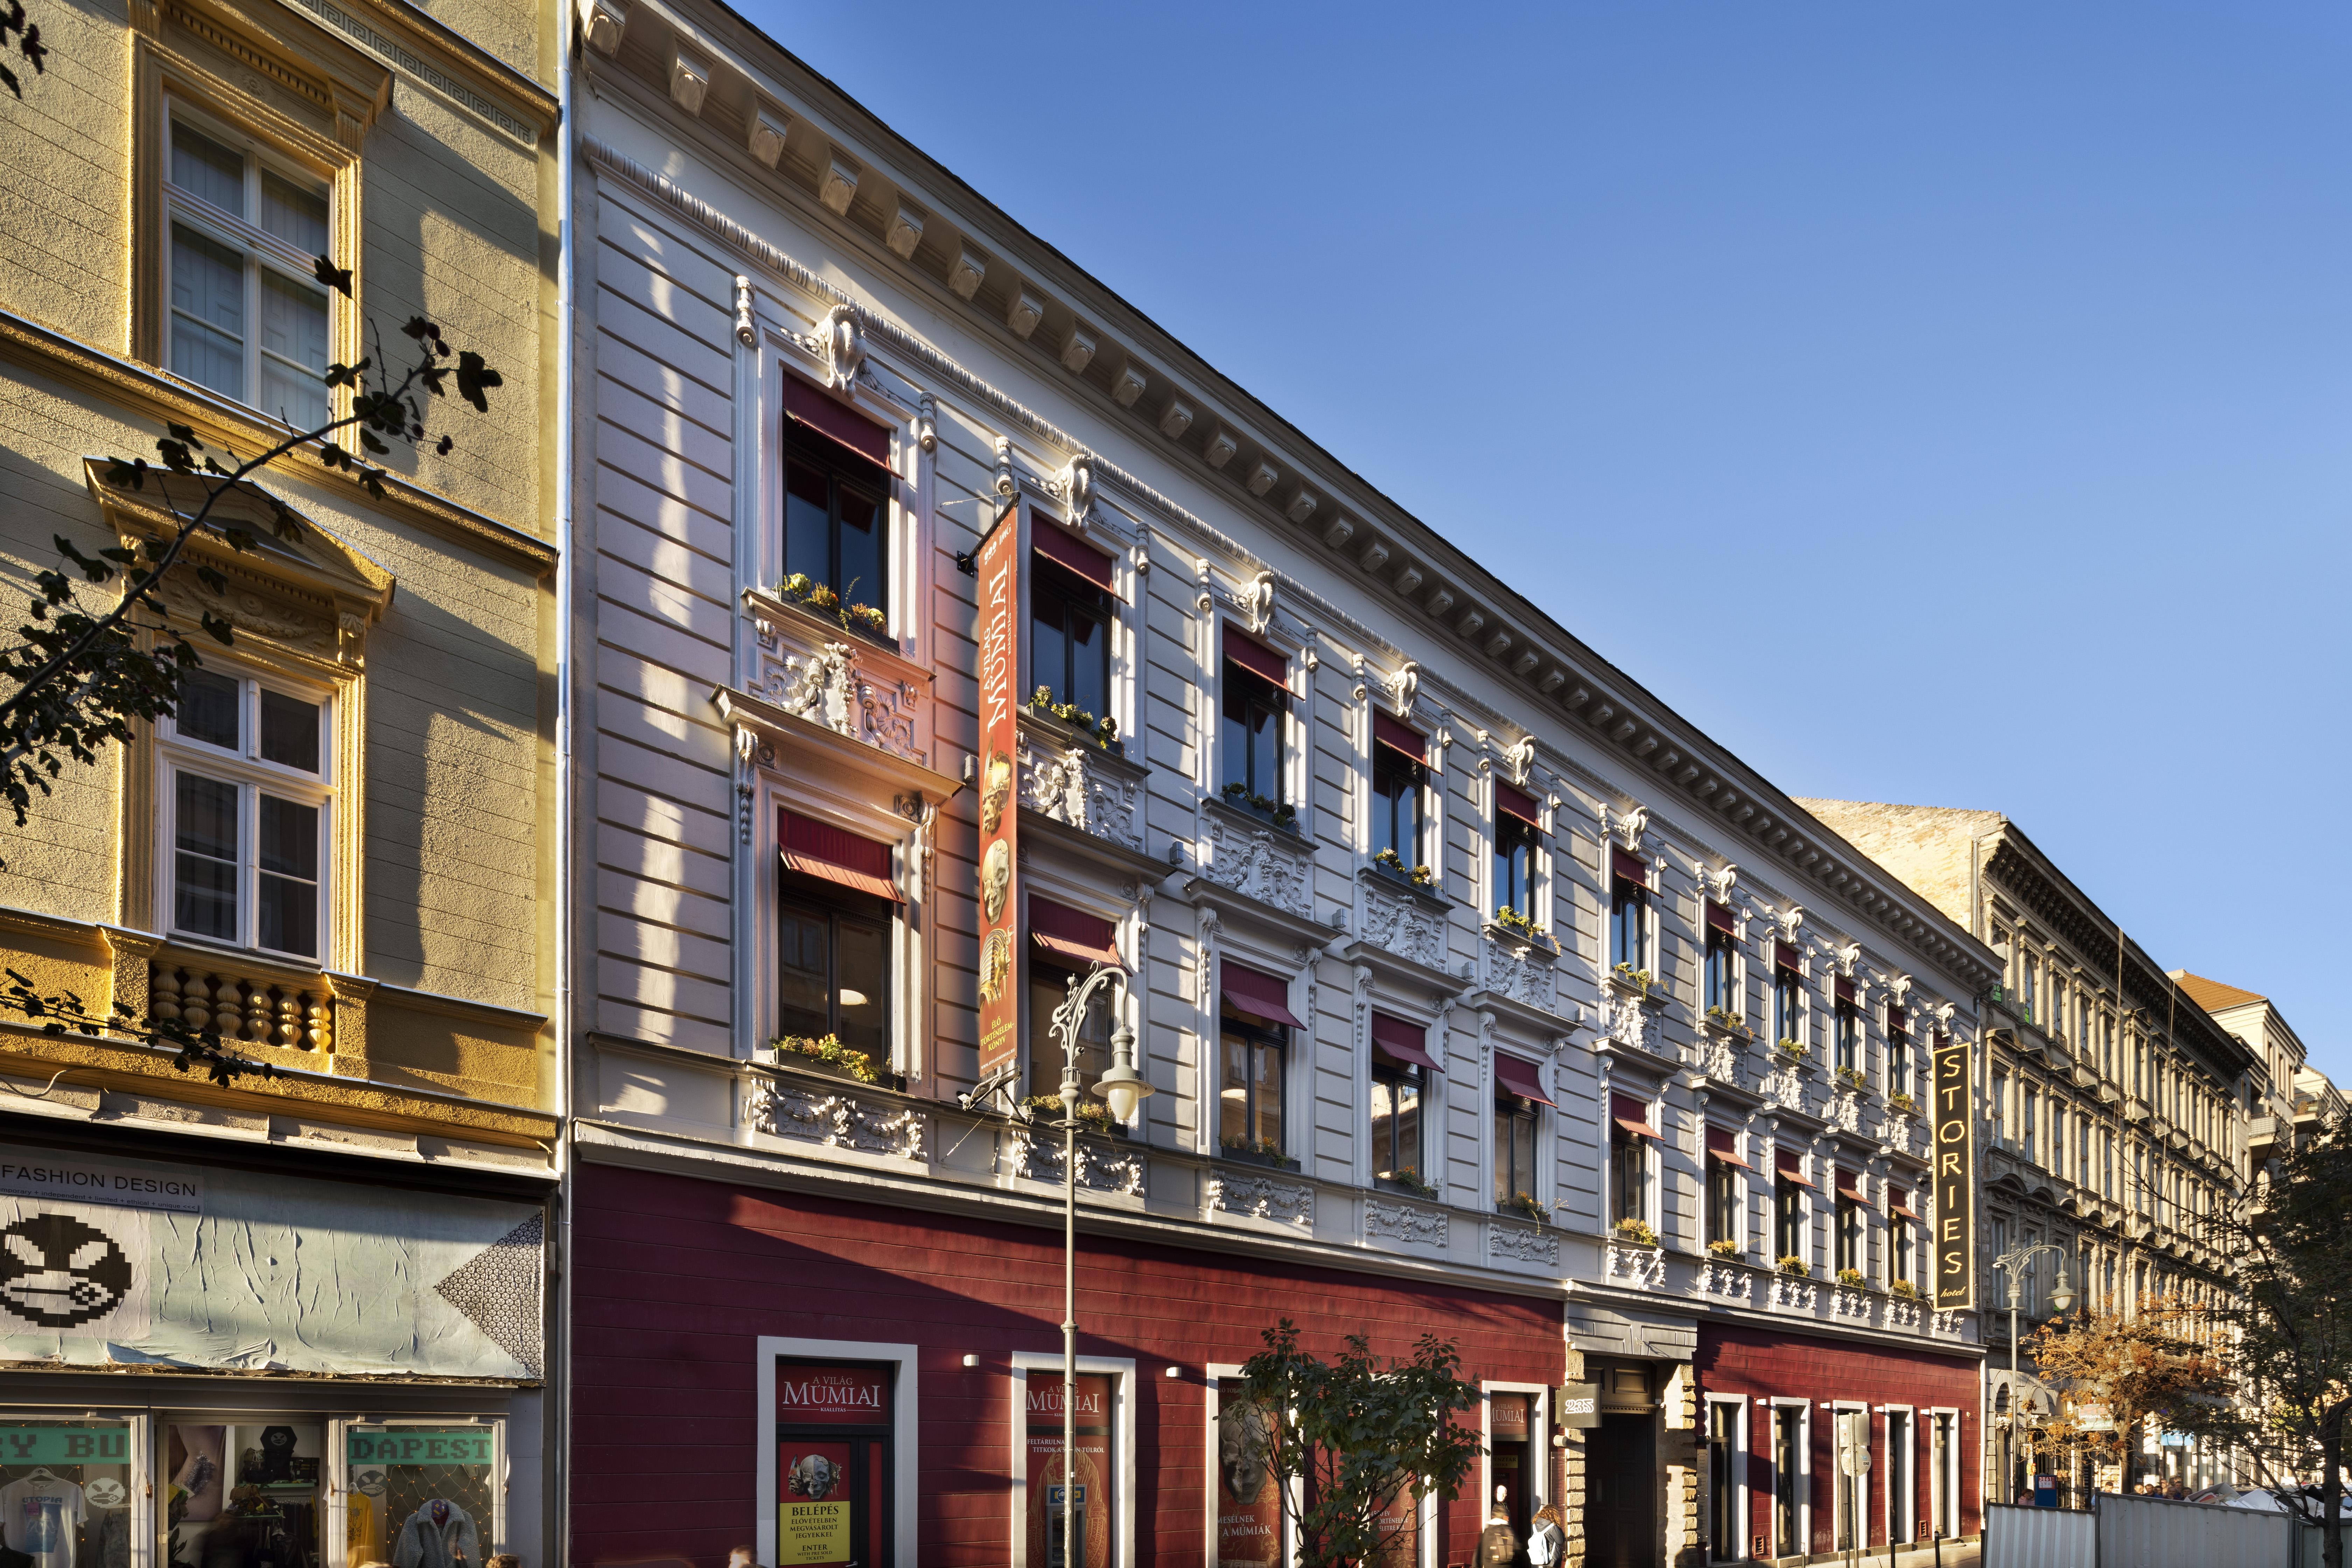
947 631
295 1322
2288 1099
2115 1106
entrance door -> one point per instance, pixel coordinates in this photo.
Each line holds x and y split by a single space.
1901 1507
1622 1493
1509 1428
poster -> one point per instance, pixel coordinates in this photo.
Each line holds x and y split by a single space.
1249 1506
999 565
1085 1487
813 1506
1955 1151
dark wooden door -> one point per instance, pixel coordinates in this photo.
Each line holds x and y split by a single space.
1622 1488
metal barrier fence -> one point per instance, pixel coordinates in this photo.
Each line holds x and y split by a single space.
2040 1538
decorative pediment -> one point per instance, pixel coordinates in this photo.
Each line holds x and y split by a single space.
298 585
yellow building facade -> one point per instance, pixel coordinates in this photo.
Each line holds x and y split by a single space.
283 1319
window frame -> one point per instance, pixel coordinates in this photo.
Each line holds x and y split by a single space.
1099 1010
811 896
1257 1037
1794 1541
1525 1118
1847 1049
1072 594
1788 1004
1719 975
1387 1070
251 774
1849 1239
1791 1217
1640 928
867 479
1631 1164
1725 1205
1409 780
1237 684
1727 1498
1511 836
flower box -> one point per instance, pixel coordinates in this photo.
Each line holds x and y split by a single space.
1409 1184
1792 1264
1241 1155
1727 1250
1634 1233
1274 813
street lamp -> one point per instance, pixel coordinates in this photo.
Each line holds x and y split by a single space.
2061 1295
1123 1088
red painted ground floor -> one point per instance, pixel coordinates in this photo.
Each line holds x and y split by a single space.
829 1381
1786 1419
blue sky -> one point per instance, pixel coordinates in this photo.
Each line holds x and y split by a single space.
1979 370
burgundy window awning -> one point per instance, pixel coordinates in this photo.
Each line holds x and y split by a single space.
1629 867
813 408
1897 1020
1071 934
1790 1167
1787 957
1847 1190
1256 657
1631 1115
1723 1146
1254 994
1518 803
1719 917
1845 989
1404 1040
1399 737
1067 549
1898 1203
1516 1075
817 848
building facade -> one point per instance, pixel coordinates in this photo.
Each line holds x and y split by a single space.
295 1321
2288 1099
949 630
2115 1108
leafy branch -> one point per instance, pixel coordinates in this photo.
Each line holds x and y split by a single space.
28 44
63 1013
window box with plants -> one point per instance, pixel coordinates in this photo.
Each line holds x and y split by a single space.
1634 1233
1412 1183
1852 1078
1790 1263
1389 867
1852 1278
1242 1151
1527 1206
818 601
1726 1022
1903 1290
1639 983
1904 1102
826 1056
1073 725
1046 1110
1728 1251
1236 796
1508 924
1793 1050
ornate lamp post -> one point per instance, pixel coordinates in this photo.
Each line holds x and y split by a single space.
1123 1089
2061 1295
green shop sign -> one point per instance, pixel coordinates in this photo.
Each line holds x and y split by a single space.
422 1445
65 1445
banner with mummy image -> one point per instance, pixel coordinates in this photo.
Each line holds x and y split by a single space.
106 1261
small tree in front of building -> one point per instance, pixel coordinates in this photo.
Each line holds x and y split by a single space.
1349 1440
2123 1370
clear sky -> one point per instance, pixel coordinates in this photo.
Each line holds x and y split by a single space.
1936 404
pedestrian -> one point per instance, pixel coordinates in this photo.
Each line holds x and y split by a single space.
1499 1543
1548 1539
742 1557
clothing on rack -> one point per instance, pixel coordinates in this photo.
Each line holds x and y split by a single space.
439 1535
41 1515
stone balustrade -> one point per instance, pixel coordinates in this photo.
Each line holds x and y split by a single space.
243 1003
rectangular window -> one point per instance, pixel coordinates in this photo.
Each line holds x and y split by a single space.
1999 1108
1722 978
1723 1477
1903 1242
1515 1149
1788 1218
247 800
1723 1217
1396 1117
833 966
2026 1100
835 1467
1902 1514
1069 637
246 318
1788 1004
1629 920
1898 1058
1396 804
70 1482
1514 865
1052 1486
1788 1479
1049 989
1254 1056
835 532
1250 738
1629 1175
1849 1036
1849 1233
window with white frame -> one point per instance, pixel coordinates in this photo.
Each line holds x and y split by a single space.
246 800
1788 997
1722 976
1629 912
247 316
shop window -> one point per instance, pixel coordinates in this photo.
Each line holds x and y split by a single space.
836 909
836 521
65 1490
247 800
249 1493
1902 1507
1723 1476
420 1496
1248 1500
1629 913
834 1464
1083 1485
1789 1479
1069 636
247 318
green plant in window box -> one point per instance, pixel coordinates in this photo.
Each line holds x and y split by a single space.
1850 1076
1904 1289
1724 1018
1420 876
1640 979
1901 1099
1413 1181
1092 1118
1724 1249
1281 813
1792 1264
1794 1048
1636 1231
1526 1204
828 1050
1851 1277
1510 919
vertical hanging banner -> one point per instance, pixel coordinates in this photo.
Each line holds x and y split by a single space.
999 560
1954 1109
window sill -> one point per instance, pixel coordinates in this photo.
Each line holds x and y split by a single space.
1390 1184
1507 1211
1242 808
1539 943
1396 881
1649 995
807 630
1061 732
813 1067
1251 1157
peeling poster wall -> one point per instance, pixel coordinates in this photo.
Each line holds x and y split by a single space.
268 1273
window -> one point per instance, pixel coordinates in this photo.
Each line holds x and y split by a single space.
2025 1104
1629 1175
1252 734
1515 864
1999 1108
1849 1036
2083 1172
1515 1148
1849 1232
835 520
833 966
1048 989
1903 1250
1396 804
69 1476
1898 1055
1249 1094
1788 1003
1723 1209
2107 1174
1723 1513
1069 636
245 318
1788 1214
1722 977
2025 1288
2058 1010
246 798
1396 1117
1628 914
1789 1478
2032 979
